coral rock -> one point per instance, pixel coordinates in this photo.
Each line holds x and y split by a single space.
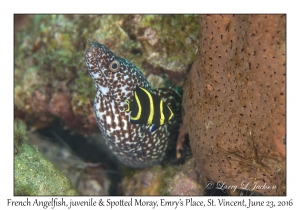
234 101
33 173
166 180
187 181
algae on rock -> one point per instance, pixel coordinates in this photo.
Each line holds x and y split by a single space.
49 60
33 173
164 180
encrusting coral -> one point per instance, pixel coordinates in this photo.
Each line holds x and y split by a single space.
234 101
33 174
166 180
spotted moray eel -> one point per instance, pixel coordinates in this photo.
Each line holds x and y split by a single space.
132 144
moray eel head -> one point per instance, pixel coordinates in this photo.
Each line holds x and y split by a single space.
114 77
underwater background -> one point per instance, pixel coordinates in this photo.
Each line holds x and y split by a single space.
230 69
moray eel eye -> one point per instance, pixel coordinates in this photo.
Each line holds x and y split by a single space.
114 66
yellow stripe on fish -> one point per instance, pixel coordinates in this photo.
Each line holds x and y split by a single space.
162 116
138 103
146 108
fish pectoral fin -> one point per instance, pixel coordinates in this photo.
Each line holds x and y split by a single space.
154 127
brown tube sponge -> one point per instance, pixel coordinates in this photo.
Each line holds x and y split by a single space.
234 101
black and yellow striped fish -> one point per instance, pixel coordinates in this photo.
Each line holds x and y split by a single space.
146 108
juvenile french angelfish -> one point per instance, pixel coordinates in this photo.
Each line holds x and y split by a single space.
146 108
115 79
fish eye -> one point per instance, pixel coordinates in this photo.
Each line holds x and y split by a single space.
114 66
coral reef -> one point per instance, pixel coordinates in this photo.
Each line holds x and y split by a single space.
87 178
234 101
51 82
148 181
94 181
50 78
187 181
164 180
33 174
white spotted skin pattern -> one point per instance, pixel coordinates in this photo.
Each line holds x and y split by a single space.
133 144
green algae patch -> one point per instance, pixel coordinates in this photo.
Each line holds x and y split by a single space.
33 173
177 40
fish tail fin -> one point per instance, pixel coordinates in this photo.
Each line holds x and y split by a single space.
171 97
